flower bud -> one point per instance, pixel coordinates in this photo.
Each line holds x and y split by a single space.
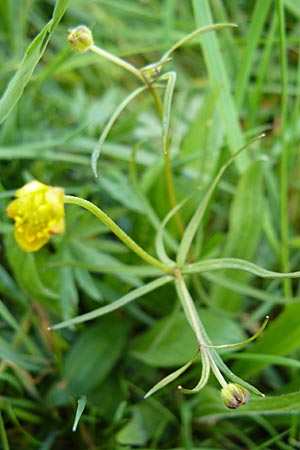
80 38
151 71
234 395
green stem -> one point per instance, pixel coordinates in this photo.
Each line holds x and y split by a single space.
195 322
189 307
170 188
216 371
138 74
120 62
130 243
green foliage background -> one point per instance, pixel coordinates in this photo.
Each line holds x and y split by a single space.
231 86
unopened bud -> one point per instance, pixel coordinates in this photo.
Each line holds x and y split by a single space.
80 38
234 395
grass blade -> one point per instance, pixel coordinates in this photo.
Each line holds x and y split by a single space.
218 76
32 57
257 23
81 403
196 219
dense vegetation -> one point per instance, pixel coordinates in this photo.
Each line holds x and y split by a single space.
233 233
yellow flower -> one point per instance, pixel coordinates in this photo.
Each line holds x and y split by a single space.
38 212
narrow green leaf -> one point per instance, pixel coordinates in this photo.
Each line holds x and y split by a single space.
236 264
257 23
293 7
262 71
12 322
109 125
281 338
285 154
81 403
119 187
201 130
3 435
133 295
171 377
246 341
271 360
26 272
9 288
25 361
204 375
32 56
171 80
218 76
86 282
246 290
68 292
120 270
245 227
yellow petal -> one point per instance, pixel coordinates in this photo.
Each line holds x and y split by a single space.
38 212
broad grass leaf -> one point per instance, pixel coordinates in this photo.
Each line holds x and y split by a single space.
245 226
94 354
111 394
171 341
146 418
27 271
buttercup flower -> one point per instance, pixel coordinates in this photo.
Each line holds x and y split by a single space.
38 212
80 38
234 395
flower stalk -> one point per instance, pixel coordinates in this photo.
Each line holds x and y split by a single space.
80 39
118 61
130 243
